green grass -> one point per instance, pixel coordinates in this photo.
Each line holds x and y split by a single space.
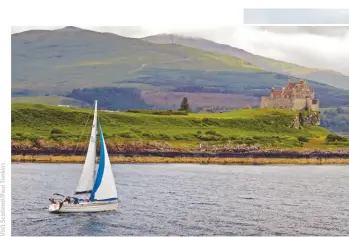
289 67
108 60
268 64
46 100
252 127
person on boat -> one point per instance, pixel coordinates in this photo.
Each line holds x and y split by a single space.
67 199
52 200
75 200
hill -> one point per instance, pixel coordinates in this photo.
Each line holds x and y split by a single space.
68 58
62 61
319 75
336 119
265 128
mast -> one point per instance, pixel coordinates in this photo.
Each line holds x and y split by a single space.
94 167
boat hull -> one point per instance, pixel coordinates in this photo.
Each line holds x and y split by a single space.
84 207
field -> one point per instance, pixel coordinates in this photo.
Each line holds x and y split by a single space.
47 100
37 125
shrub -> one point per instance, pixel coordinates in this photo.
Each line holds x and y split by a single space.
147 135
126 135
179 113
157 112
212 122
210 132
56 131
136 130
184 137
210 136
303 139
335 138
163 136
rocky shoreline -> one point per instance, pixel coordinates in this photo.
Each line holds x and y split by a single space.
173 153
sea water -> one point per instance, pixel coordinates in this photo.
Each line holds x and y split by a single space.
189 199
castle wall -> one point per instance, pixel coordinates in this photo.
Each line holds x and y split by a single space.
298 104
315 106
269 102
287 103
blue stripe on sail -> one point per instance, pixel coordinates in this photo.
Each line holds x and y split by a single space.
101 165
108 199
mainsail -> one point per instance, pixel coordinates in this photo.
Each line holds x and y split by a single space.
104 188
87 177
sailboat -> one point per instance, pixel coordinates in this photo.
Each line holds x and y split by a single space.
100 187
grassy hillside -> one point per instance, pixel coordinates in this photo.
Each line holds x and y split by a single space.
319 75
48 100
56 62
248 127
69 58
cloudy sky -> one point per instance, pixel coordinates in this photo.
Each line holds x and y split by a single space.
324 47
296 16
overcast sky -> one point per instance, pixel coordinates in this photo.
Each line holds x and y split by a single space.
296 16
324 47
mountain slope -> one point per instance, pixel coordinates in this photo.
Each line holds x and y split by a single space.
71 58
324 76
60 61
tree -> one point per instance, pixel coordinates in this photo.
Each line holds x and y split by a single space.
185 105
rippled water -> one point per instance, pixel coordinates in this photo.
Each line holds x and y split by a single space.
187 199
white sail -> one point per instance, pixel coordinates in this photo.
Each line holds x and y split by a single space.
87 177
104 188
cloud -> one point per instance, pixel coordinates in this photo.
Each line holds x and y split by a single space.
296 16
310 46
333 31
315 47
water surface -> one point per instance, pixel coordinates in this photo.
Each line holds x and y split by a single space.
189 199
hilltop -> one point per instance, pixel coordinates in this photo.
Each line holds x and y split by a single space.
58 62
51 127
319 75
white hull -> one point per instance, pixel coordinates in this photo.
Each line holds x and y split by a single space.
84 207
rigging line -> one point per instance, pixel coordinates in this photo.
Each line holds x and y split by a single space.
82 133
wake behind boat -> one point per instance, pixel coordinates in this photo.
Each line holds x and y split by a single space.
100 187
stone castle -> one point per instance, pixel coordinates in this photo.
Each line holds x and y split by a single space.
296 96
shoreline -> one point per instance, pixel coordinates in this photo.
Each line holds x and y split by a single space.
187 160
174 153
